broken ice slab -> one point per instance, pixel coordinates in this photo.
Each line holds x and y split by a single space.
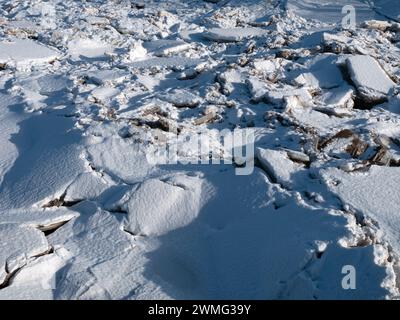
22 53
372 82
36 218
340 97
297 156
165 62
257 89
163 47
18 243
110 76
21 27
278 166
233 34
319 72
181 98
376 24
37 279
46 84
88 48
104 94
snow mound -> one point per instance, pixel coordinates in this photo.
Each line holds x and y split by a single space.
157 207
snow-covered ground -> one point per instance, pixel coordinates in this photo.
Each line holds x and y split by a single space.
92 91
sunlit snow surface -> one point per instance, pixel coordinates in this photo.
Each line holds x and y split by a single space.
90 91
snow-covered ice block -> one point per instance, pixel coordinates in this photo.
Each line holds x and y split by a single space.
181 98
257 88
163 47
49 154
18 243
101 77
319 72
106 261
372 82
267 66
278 166
86 186
42 219
166 62
277 95
233 34
89 48
376 24
8 126
22 53
37 279
340 97
157 207
22 26
121 158
104 94
137 51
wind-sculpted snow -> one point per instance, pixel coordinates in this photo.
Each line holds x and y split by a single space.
119 176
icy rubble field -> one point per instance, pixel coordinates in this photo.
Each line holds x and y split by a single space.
89 89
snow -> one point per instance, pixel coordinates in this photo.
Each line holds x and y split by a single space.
96 96
330 11
157 207
374 194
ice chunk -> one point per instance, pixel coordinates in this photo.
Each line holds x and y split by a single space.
232 34
167 62
121 158
104 94
277 164
371 81
137 51
182 98
89 48
101 77
40 219
18 243
341 97
86 186
319 72
22 53
257 88
37 280
162 48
